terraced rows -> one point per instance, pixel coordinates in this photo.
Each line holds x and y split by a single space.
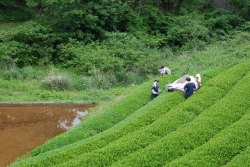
106 119
142 138
230 141
242 159
98 139
169 131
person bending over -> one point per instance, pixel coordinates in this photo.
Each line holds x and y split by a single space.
189 88
198 80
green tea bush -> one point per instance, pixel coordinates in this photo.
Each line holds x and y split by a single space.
220 149
139 139
194 134
242 159
228 143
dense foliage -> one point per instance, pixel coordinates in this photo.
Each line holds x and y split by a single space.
11 10
112 39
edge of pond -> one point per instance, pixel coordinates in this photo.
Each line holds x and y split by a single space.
46 104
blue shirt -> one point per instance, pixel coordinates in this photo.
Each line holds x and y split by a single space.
189 89
156 89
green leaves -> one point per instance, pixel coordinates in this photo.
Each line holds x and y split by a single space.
187 32
29 43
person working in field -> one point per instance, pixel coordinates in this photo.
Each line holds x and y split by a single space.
198 80
189 88
164 70
155 89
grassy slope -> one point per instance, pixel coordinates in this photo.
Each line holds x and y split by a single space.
211 128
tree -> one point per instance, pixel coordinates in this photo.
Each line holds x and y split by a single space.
86 20
186 31
7 2
242 7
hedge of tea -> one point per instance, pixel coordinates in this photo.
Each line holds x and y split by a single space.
186 139
159 135
144 127
242 159
231 111
220 149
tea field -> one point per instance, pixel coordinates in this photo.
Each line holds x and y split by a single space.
210 129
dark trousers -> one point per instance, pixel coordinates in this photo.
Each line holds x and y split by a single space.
154 95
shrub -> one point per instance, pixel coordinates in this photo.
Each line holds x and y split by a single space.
122 58
12 73
28 72
29 44
242 159
10 13
187 33
57 82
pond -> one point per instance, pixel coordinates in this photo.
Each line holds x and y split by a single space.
26 126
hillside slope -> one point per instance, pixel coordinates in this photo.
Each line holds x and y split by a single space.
211 128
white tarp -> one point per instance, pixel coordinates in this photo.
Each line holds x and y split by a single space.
180 83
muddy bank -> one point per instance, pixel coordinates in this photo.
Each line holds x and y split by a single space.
26 126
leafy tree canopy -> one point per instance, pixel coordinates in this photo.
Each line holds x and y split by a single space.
87 20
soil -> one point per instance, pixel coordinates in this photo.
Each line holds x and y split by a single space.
26 126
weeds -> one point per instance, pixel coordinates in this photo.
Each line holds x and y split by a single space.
57 83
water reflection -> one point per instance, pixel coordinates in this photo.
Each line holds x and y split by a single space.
25 126
67 124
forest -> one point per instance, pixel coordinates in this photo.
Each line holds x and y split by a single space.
114 38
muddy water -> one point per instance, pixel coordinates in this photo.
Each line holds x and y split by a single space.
26 126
